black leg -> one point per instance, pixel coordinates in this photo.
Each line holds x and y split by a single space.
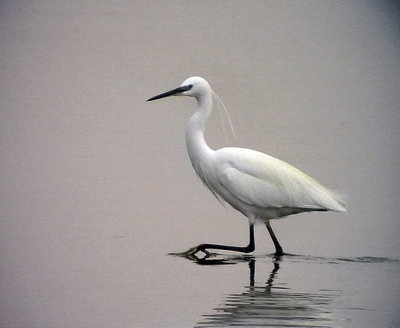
278 248
204 247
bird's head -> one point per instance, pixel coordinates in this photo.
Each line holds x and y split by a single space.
193 86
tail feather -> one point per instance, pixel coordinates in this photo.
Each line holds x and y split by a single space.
337 203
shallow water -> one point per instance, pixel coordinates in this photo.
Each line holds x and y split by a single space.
96 187
285 299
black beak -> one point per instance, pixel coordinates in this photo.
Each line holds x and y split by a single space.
171 93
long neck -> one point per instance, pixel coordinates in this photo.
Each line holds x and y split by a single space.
196 145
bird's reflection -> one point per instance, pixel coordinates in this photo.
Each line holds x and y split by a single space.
268 303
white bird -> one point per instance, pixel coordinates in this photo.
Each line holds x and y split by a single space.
258 185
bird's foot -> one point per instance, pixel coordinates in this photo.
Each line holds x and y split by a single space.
191 253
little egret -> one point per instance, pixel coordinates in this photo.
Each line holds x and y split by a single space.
258 185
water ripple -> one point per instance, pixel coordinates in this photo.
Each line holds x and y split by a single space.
223 259
271 304
261 306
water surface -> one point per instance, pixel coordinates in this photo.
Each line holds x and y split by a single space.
285 299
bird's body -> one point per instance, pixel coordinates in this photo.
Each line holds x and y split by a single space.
258 185
261 186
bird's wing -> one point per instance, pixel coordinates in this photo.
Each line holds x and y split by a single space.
264 181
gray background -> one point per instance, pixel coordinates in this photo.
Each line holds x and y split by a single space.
96 186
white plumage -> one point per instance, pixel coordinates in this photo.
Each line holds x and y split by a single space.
265 183
258 185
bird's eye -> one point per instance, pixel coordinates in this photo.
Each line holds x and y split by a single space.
189 86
